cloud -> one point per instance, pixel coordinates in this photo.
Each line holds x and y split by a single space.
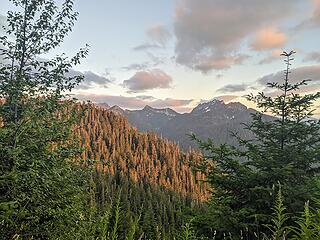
170 102
224 98
153 62
207 64
297 74
314 20
312 56
159 34
145 97
227 98
219 76
212 29
108 76
311 88
136 66
136 102
233 88
146 80
275 55
147 46
91 77
269 38
91 80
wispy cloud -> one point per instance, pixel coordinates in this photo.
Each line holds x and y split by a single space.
297 74
147 46
230 88
274 56
154 61
91 80
314 20
159 34
136 66
312 56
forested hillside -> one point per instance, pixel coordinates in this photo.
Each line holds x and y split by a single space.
153 177
117 148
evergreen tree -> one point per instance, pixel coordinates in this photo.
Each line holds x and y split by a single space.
285 149
41 191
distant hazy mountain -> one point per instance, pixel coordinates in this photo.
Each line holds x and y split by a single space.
151 119
214 119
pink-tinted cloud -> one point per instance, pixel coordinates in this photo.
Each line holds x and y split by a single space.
136 102
170 102
227 98
269 38
205 65
215 29
146 80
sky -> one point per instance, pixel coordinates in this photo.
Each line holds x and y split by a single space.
177 53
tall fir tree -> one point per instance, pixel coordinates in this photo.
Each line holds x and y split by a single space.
284 150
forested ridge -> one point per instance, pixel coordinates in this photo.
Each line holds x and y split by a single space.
114 147
147 175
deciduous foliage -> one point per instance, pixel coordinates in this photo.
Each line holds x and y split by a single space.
41 191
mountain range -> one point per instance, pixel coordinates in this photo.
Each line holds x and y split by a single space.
214 119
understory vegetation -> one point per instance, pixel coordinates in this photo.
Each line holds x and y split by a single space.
77 171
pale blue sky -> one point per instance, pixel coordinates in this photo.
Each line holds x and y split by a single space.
199 47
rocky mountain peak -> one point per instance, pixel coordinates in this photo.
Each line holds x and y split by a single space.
116 109
209 106
165 111
148 108
103 105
